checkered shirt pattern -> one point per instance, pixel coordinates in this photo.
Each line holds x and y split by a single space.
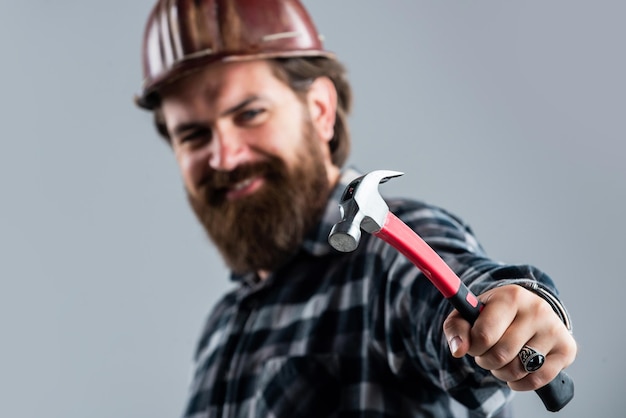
358 334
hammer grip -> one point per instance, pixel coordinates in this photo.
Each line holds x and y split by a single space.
556 394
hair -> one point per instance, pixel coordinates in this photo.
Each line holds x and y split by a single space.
298 73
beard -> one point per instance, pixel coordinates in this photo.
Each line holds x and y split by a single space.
263 230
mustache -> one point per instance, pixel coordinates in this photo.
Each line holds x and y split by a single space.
217 183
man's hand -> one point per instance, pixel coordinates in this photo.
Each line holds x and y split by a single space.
513 317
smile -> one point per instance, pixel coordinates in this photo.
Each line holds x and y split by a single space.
242 185
245 188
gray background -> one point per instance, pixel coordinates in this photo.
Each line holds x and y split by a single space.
510 114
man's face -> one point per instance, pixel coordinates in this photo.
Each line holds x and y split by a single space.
254 159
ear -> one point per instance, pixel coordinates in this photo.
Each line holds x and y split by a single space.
322 102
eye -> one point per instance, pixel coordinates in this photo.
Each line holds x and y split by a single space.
249 115
195 135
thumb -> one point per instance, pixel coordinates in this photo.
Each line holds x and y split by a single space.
457 332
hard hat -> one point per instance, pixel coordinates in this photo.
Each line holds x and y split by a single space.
184 35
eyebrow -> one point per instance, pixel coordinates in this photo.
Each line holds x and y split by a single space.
187 126
240 106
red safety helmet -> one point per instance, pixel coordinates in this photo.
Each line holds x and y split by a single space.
184 35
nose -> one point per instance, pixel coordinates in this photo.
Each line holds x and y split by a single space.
227 150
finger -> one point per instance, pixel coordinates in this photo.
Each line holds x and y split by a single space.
516 370
540 378
457 332
559 357
503 356
492 323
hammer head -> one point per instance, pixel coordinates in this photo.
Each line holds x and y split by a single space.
361 206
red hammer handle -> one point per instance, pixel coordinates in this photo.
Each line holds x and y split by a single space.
397 234
556 394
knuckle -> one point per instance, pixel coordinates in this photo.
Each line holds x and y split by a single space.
544 312
568 352
517 295
535 380
571 353
451 327
449 324
499 357
482 338
528 382
516 374
510 373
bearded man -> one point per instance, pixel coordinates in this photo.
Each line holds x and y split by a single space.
255 111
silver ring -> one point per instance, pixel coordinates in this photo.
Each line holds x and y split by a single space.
531 359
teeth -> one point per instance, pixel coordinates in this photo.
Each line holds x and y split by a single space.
242 184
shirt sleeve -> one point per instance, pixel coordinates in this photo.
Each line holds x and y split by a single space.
415 310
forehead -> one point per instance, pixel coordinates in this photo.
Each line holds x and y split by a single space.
223 80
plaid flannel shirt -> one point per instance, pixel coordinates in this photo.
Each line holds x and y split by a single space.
358 334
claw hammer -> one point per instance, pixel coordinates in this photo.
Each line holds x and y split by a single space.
362 207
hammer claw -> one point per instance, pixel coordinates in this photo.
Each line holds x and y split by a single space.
361 207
